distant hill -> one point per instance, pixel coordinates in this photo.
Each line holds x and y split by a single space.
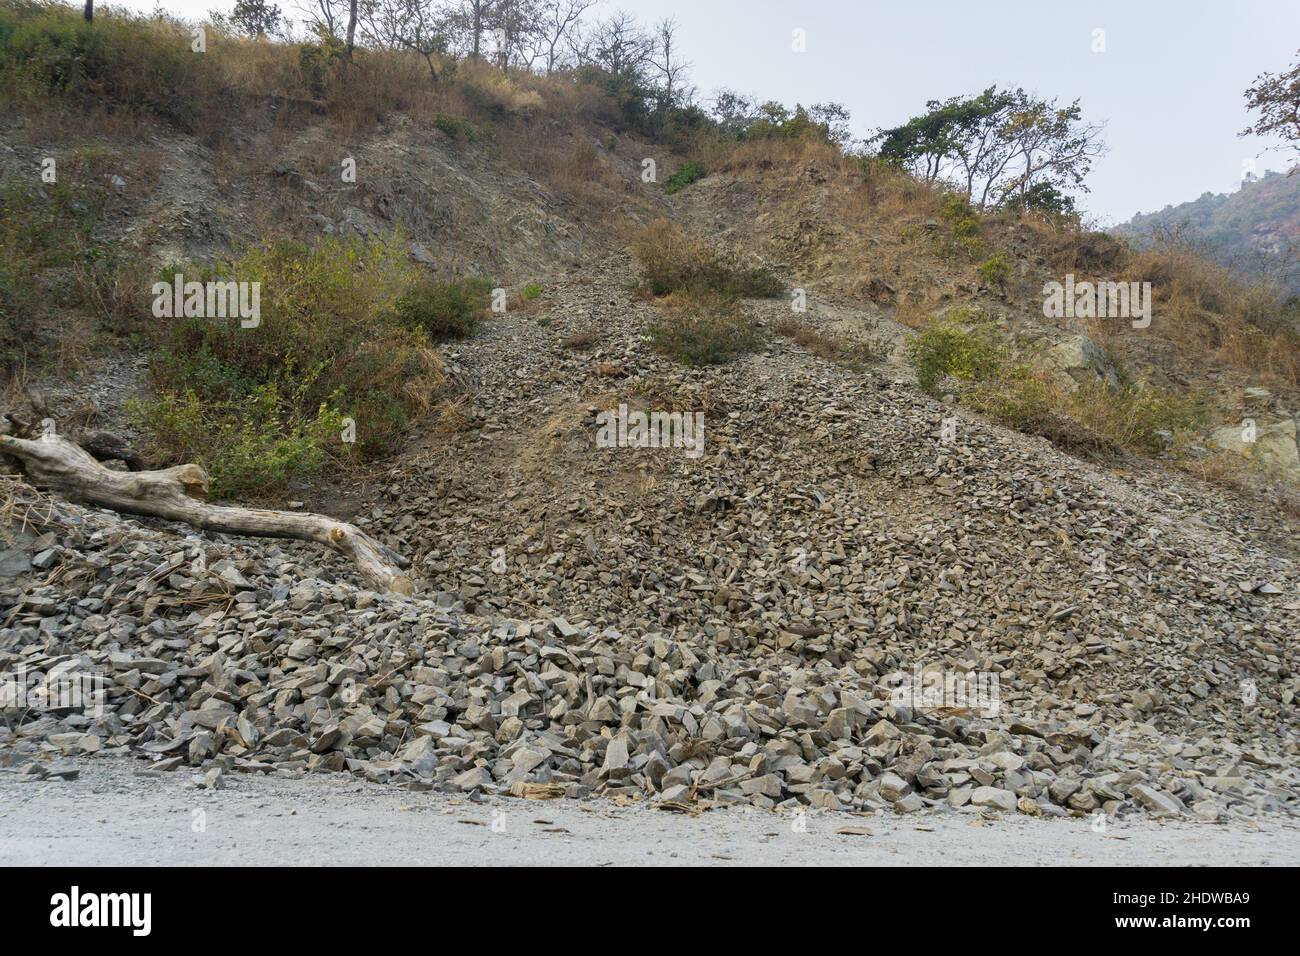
1255 228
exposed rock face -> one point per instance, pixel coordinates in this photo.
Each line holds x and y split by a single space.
1078 359
1266 435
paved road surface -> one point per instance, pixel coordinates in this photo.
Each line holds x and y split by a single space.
114 814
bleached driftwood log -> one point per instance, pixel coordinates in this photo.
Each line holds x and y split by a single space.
177 494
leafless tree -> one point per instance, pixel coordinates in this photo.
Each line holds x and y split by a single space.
324 16
468 21
619 45
515 25
666 61
558 21
415 25
1276 98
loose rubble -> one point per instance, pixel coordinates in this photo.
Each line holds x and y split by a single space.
634 624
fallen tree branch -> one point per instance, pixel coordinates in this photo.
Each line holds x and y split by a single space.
177 494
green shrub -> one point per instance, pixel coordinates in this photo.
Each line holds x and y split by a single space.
250 446
330 343
995 272
456 128
685 174
961 217
946 350
445 310
319 60
1094 417
531 291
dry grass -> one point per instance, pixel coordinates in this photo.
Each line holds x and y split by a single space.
1204 318
1228 470
573 168
700 329
143 73
673 261
832 348
24 509
580 341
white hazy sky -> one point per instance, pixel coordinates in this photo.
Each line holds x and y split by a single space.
1169 84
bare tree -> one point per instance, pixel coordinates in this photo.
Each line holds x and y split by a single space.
352 27
515 24
666 61
415 25
619 46
323 16
559 20
469 21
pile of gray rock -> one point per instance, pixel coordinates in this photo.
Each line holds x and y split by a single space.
221 657
728 628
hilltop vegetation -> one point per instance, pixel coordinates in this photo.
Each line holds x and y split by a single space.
517 158
1254 231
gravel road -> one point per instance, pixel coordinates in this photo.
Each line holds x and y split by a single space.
117 813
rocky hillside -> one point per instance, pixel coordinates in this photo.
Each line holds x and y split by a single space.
636 624
744 618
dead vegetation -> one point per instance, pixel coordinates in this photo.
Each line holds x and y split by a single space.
831 347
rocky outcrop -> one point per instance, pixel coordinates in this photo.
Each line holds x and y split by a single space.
1265 436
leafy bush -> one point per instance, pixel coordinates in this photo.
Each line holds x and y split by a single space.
255 444
961 217
741 118
685 174
672 262
255 406
319 61
1094 417
946 350
456 128
445 310
995 271
531 291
